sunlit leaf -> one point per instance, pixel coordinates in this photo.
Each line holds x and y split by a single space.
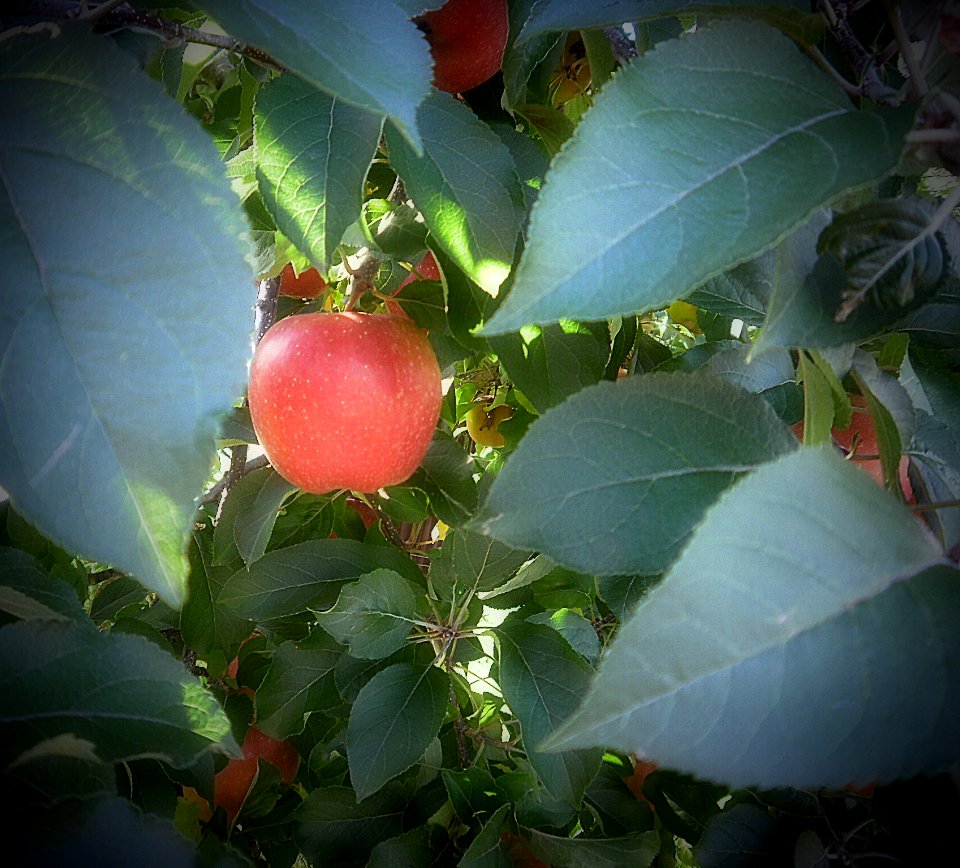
313 152
730 126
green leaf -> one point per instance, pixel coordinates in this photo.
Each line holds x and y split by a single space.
313 152
207 626
374 615
747 108
466 187
334 828
486 851
552 15
818 402
470 561
26 591
411 849
755 372
307 575
807 637
551 363
79 681
743 835
635 850
446 475
248 516
614 479
394 229
543 681
298 681
576 629
473 793
369 54
130 322
394 718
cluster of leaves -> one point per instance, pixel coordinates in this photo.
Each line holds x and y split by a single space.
653 628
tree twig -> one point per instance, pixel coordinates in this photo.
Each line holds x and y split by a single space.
918 81
122 15
217 490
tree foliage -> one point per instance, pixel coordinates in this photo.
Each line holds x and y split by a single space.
702 607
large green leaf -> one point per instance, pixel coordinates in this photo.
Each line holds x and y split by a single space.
543 681
366 52
308 574
727 127
248 516
466 187
374 615
471 562
551 363
126 304
446 475
808 636
298 681
334 828
121 693
206 625
394 718
313 152
637 851
552 15
26 591
486 850
614 479
802 306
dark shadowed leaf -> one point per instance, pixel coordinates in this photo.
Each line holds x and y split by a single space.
298 681
79 682
543 681
727 126
808 636
635 850
374 615
612 480
334 828
26 591
551 363
393 720
131 322
249 515
306 575
486 850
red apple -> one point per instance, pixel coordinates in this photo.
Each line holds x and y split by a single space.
233 782
344 400
307 284
467 39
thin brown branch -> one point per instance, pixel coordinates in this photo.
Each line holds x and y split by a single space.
217 490
122 15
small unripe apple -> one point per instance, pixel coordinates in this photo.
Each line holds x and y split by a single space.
482 424
344 400
467 39
307 284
